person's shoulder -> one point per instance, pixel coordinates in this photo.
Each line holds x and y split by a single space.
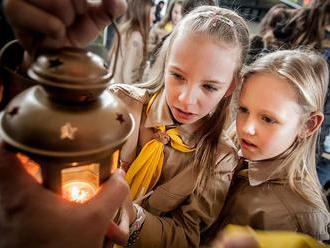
311 219
315 222
127 92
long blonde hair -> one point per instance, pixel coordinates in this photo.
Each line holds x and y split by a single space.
220 25
307 72
137 18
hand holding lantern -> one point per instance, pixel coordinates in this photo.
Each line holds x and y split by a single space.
59 23
70 126
41 218
92 165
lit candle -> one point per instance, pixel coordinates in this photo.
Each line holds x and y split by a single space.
78 191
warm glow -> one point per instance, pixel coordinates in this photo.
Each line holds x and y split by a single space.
30 166
78 191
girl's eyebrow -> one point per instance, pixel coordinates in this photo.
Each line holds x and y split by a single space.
263 111
212 81
176 68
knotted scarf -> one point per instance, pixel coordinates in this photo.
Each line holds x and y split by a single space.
146 169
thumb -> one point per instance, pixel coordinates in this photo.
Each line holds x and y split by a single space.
119 233
10 167
112 194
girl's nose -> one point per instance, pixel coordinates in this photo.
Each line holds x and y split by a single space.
249 127
188 96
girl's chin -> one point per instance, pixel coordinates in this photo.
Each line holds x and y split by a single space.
182 121
254 157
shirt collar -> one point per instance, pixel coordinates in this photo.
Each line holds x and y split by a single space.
159 113
269 170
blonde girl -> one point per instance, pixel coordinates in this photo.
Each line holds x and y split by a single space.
172 158
278 118
134 35
166 25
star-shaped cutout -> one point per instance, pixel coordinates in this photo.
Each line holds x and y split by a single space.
13 111
54 63
120 118
68 131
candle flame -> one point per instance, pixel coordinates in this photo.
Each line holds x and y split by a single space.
78 192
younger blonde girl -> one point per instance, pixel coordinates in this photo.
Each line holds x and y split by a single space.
172 158
279 115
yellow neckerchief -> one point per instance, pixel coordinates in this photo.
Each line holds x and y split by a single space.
168 27
146 169
271 239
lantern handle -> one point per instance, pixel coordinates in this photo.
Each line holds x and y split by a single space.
115 27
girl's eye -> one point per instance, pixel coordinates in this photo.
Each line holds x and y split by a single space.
268 120
177 76
209 87
242 109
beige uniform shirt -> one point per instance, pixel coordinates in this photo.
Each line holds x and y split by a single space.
261 198
156 35
175 214
130 59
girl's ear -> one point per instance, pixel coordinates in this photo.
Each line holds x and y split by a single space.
312 124
231 88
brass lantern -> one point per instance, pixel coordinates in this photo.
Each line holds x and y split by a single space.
67 127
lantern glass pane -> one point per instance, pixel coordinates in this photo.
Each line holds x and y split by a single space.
80 183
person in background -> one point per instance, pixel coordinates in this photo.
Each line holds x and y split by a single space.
307 27
187 6
160 30
159 7
133 43
271 26
272 35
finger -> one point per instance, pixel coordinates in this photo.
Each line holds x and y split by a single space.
119 233
115 8
63 9
16 185
102 13
42 22
238 239
11 169
112 195
80 6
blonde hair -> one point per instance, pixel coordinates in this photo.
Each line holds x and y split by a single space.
219 25
137 18
307 72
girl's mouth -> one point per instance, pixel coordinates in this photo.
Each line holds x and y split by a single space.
183 114
248 145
